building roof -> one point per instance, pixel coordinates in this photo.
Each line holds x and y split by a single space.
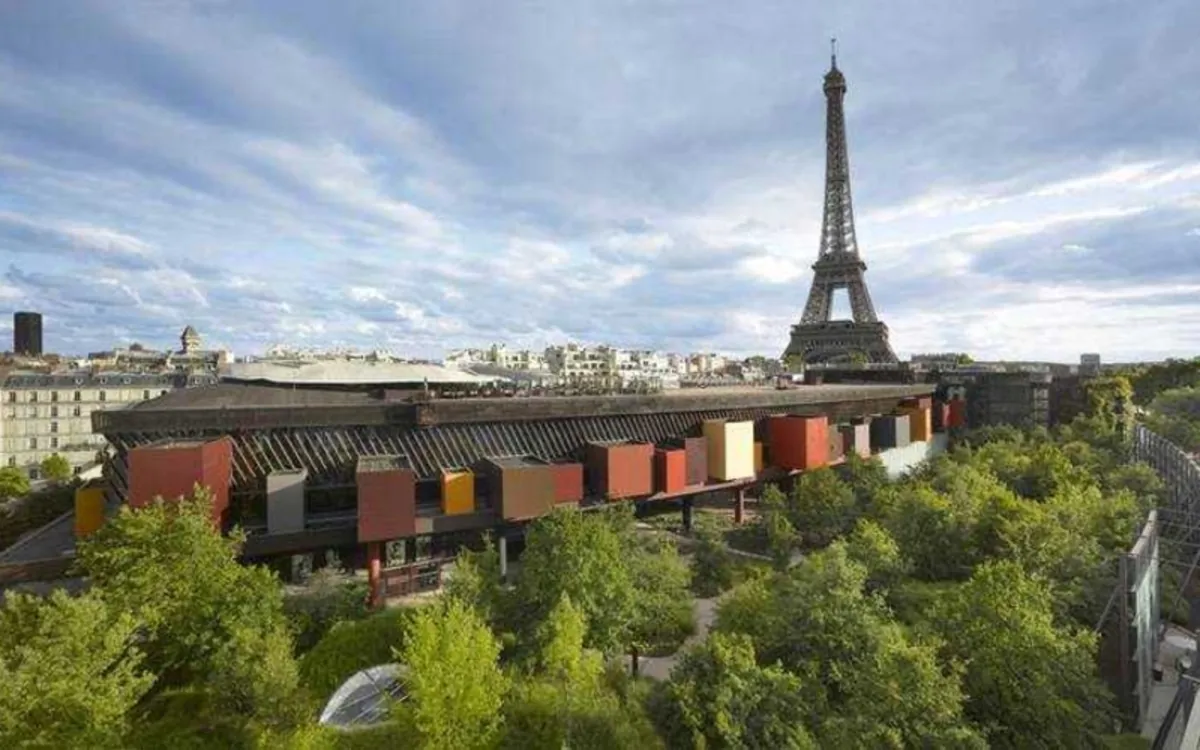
348 372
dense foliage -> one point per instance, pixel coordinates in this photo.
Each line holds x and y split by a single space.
13 483
56 468
952 608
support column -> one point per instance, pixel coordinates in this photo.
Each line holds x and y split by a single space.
739 506
373 574
687 515
503 558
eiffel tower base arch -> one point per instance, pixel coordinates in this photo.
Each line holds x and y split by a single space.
840 342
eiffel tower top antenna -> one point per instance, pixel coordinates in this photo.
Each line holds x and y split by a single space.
833 52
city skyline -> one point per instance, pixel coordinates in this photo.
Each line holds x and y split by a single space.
1027 183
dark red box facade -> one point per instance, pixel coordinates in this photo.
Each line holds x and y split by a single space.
837 444
620 470
696 449
568 482
941 416
521 487
670 470
387 504
171 471
798 442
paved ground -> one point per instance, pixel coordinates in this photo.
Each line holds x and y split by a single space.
659 667
1174 644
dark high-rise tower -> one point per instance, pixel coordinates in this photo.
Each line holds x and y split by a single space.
817 338
27 334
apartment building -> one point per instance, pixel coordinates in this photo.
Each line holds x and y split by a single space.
42 414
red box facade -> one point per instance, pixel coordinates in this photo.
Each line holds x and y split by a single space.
670 469
568 482
172 470
941 416
798 442
620 470
696 449
387 502
958 413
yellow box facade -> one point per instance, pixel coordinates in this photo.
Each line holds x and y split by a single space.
920 423
730 449
89 510
458 492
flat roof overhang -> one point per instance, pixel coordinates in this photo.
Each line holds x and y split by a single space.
800 399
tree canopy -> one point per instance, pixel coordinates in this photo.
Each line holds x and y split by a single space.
56 468
13 483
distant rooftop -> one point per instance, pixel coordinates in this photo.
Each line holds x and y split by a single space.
347 372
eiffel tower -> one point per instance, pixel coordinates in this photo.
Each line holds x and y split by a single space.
816 338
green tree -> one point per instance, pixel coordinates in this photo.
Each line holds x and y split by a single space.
454 684
1029 682
56 468
713 566
781 536
476 583
719 697
350 646
821 507
871 546
13 483
70 672
864 476
200 608
583 556
901 697
663 616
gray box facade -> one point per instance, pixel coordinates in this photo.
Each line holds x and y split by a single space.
285 501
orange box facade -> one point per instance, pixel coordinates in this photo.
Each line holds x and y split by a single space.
958 413
670 470
387 499
798 442
568 482
620 470
920 423
920 402
760 460
171 470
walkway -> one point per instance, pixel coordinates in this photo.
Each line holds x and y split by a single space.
659 667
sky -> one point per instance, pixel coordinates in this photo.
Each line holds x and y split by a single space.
425 176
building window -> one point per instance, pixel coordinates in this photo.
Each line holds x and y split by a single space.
162 393
78 395
33 473
53 442
77 412
54 427
103 394
145 394
12 461
54 396
33 397
33 444
53 411
12 397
